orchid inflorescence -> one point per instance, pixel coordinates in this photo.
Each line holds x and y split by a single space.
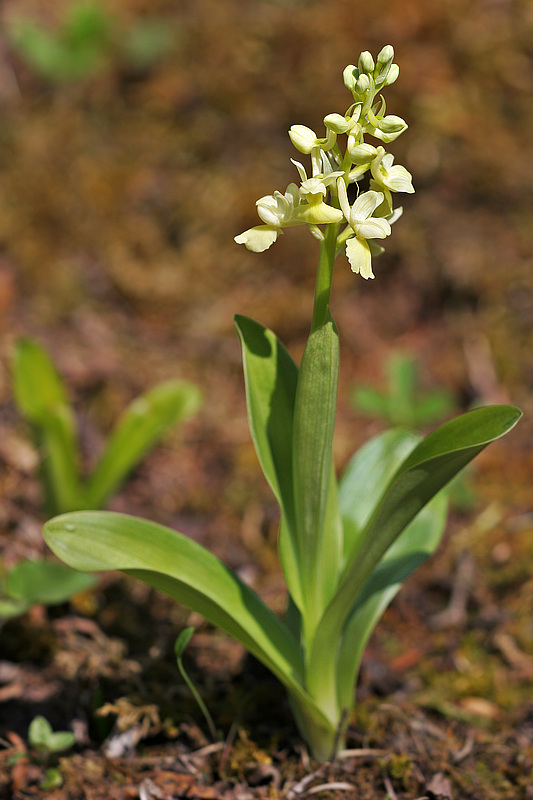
322 199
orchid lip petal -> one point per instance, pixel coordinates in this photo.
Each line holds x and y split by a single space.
359 256
258 239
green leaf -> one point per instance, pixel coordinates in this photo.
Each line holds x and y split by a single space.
41 397
186 571
428 468
362 486
144 423
270 377
371 402
45 582
39 732
37 386
401 371
366 477
148 42
12 608
41 736
318 534
52 779
87 24
183 640
433 406
61 740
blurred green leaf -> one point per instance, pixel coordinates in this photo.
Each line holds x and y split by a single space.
42 399
402 403
370 401
37 385
147 42
45 582
76 50
42 737
142 426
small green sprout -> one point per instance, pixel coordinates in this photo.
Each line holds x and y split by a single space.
47 744
43 739
403 403
179 648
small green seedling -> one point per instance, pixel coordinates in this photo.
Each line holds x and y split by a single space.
402 403
31 583
42 399
47 743
42 738
179 648
346 546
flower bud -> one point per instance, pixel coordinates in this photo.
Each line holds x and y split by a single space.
303 138
362 153
392 124
362 84
366 62
350 75
337 123
386 55
392 74
383 64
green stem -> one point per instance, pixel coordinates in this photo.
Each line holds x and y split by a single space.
201 704
324 276
324 741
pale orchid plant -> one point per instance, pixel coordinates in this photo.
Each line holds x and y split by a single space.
345 546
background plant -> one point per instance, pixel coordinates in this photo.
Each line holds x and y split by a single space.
345 548
43 746
403 403
41 397
85 42
38 582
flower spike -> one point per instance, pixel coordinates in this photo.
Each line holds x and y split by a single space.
321 199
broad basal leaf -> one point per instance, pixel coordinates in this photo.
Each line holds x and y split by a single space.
428 468
270 377
415 544
186 571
